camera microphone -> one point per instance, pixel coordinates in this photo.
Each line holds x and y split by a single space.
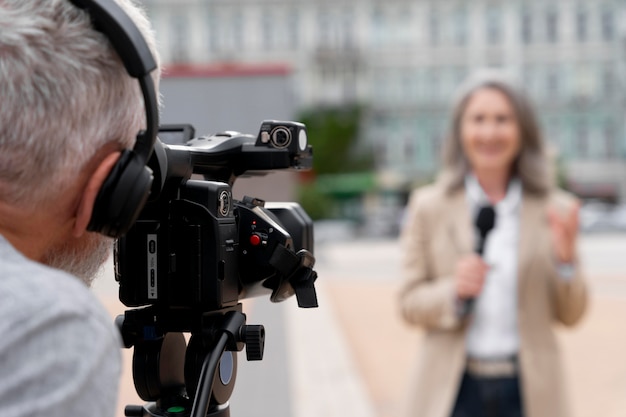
485 221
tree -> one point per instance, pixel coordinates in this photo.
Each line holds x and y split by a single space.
333 131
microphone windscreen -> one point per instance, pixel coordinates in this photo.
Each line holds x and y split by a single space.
486 220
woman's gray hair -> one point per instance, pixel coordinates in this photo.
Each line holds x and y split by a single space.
532 165
64 94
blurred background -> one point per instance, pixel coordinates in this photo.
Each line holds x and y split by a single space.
373 81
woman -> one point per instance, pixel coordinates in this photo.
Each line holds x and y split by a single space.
495 355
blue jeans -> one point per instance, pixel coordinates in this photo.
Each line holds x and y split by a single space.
488 397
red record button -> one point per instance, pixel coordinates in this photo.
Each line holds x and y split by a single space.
255 240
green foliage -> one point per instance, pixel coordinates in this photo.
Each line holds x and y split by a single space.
333 131
317 204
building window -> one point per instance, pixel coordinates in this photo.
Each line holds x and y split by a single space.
552 83
328 74
325 34
347 28
433 83
460 73
526 24
404 23
267 30
180 39
380 150
460 27
581 26
608 26
608 81
348 85
552 27
609 141
293 25
420 79
409 148
407 86
585 81
582 140
433 28
378 25
494 27
237 30
551 130
528 78
436 142
214 31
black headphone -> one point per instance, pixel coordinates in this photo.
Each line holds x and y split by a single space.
126 189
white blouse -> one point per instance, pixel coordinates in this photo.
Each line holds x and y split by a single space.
493 330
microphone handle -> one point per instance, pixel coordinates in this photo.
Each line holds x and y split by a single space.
480 246
467 304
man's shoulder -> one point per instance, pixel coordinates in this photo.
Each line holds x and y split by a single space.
59 347
29 289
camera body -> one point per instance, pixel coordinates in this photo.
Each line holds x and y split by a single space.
194 249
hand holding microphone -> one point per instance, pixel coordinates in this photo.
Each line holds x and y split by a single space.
471 270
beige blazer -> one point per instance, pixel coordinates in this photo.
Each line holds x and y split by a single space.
438 231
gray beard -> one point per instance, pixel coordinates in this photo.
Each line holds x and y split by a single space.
84 261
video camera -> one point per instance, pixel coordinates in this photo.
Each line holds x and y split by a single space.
194 252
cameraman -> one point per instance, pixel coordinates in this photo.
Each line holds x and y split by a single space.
67 109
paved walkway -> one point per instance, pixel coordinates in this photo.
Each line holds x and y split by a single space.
352 356
384 348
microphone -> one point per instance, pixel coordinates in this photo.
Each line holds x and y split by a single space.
485 221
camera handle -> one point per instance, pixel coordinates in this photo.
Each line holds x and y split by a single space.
297 269
227 333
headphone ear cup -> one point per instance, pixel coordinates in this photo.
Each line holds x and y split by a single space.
122 196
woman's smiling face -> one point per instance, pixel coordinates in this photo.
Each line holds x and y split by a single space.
490 134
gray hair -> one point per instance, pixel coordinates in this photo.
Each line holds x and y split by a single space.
64 94
532 165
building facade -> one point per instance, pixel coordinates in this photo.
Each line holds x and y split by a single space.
404 60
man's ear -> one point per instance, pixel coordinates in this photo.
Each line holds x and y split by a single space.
88 198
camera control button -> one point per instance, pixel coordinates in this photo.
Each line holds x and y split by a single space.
255 240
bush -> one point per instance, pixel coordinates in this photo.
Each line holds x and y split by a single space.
317 204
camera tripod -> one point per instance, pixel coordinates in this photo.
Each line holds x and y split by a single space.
180 379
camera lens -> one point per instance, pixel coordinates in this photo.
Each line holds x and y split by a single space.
281 137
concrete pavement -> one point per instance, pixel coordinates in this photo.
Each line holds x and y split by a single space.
384 348
352 356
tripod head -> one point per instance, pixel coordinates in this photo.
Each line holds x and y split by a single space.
194 379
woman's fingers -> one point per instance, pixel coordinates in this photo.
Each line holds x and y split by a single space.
470 272
564 231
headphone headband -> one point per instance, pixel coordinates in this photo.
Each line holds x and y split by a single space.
126 39
125 190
